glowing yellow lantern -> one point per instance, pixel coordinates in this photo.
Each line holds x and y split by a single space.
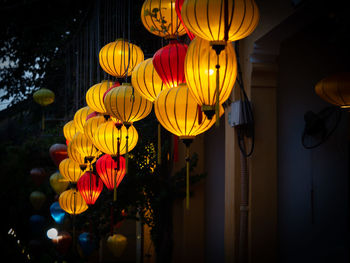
206 18
335 89
91 125
72 202
69 130
58 182
94 95
74 155
120 57
84 146
44 97
70 170
200 72
159 17
80 117
106 138
146 80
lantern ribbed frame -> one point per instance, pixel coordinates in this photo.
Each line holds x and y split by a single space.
72 202
205 18
94 95
80 117
69 130
146 80
74 155
90 187
44 97
105 138
120 57
177 111
106 169
335 89
169 63
70 170
84 146
91 125
171 28
200 71
126 104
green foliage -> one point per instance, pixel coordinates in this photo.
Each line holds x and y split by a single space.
159 19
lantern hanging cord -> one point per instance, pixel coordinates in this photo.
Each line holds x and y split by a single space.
246 130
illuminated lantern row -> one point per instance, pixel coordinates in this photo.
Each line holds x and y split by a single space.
169 63
120 57
126 104
80 117
106 168
70 170
94 95
90 187
146 80
205 18
159 17
72 202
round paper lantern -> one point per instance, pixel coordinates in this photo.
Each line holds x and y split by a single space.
37 224
177 111
38 175
62 242
169 63
69 130
126 104
87 243
117 244
90 187
159 17
178 7
70 170
106 168
75 156
84 146
80 117
58 152
120 57
206 19
106 138
44 97
94 95
91 126
72 202
200 71
146 80
37 199
57 213
335 89
58 183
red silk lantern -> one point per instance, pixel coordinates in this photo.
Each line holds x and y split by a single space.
178 7
106 169
38 175
169 63
90 187
58 152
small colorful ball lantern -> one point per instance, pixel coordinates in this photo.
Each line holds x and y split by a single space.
206 19
38 175
94 95
90 187
69 130
200 69
58 152
177 111
37 199
178 7
120 57
91 125
110 173
126 104
169 63
57 213
85 147
335 89
44 97
80 117
117 244
159 18
72 202
70 170
146 80
58 183
87 243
